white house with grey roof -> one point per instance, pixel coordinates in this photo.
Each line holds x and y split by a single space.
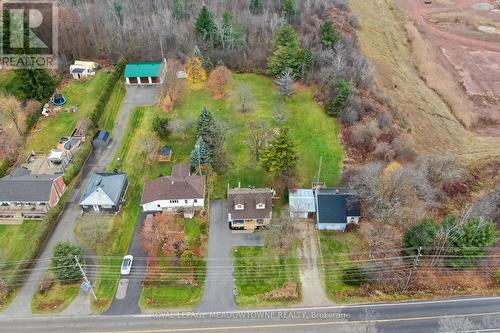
105 193
26 196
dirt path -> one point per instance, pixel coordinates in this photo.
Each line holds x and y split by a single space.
311 276
418 12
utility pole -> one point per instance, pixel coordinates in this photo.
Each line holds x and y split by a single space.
415 266
85 277
319 169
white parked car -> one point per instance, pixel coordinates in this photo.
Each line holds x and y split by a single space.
127 264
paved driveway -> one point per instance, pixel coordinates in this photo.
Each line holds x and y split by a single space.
127 297
64 230
219 287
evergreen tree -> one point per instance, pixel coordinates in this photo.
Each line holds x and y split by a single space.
285 83
205 25
289 10
286 52
178 12
64 264
307 62
329 35
201 154
342 91
37 84
197 52
208 130
280 155
256 7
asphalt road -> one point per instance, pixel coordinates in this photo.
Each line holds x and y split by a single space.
411 317
219 293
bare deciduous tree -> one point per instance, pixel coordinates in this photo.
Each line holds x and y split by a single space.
217 81
282 233
244 98
150 146
172 87
10 111
258 136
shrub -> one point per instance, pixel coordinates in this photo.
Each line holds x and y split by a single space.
421 234
354 276
189 259
160 127
64 263
46 284
364 135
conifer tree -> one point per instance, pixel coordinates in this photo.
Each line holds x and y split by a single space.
289 10
280 155
286 52
205 25
201 154
329 35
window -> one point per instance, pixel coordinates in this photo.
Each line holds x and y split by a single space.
5 204
261 206
195 200
42 204
238 222
174 201
185 201
260 221
239 207
107 207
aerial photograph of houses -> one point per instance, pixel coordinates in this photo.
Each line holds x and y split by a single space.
250 166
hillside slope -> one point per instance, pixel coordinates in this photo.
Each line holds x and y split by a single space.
383 39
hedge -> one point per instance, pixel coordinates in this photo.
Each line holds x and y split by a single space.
102 100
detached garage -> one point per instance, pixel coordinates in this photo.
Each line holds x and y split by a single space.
139 73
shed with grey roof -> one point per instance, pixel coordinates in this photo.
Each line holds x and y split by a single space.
301 203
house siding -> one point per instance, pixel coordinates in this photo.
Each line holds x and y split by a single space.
167 205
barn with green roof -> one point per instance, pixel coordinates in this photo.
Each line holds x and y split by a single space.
143 73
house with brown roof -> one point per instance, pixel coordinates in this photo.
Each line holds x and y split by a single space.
179 193
249 208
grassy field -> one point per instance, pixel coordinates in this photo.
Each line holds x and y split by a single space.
336 248
258 270
174 293
18 243
49 129
314 132
56 299
108 120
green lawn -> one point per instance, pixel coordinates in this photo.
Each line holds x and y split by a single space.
18 243
50 129
258 270
165 297
336 248
315 133
108 120
56 299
